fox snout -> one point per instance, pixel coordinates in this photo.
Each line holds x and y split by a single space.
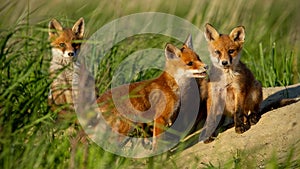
68 50
204 70
200 73
71 53
63 51
225 63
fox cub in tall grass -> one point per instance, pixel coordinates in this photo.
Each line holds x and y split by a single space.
243 92
65 46
158 98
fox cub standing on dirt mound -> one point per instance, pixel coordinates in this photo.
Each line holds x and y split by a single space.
243 92
65 46
158 99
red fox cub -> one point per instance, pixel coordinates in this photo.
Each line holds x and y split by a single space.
243 93
65 45
158 99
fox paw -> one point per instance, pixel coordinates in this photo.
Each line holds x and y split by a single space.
209 140
254 118
241 129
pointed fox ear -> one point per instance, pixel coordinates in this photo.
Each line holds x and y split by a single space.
238 34
78 28
172 52
211 33
54 27
189 42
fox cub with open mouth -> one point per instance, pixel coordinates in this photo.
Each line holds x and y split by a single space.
158 97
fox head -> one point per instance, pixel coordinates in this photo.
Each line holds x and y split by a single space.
65 42
184 62
225 49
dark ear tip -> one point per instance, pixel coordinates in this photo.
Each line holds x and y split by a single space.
208 24
81 19
53 20
168 47
50 25
241 27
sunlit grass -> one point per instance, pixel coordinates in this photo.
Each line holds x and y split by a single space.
28 131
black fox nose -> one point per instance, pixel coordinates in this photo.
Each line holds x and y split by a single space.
206 67
71 53
224 62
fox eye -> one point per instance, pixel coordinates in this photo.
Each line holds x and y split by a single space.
62 45
230 51
190 63
217 52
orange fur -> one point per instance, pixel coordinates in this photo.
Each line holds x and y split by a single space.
159 97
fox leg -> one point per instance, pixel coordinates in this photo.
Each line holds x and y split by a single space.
254 116
211 137
241 121
256 99
158 128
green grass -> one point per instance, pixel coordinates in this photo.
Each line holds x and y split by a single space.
29 136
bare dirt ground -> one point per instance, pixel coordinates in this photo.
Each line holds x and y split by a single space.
276 133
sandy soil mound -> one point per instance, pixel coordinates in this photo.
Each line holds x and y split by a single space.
277 132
